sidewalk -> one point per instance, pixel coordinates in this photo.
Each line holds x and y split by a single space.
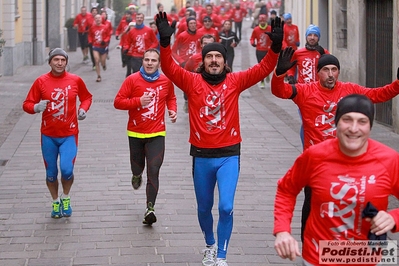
106 226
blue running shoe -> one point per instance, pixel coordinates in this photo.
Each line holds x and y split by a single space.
66 208
56 212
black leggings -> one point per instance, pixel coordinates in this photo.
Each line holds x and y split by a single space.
237 29
152 150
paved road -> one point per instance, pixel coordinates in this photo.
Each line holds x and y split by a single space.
106 227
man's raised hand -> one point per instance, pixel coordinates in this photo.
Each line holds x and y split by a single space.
284 61
276 35
165 30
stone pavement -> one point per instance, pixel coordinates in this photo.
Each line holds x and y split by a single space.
106 228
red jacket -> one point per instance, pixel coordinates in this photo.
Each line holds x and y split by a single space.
148 119
60 117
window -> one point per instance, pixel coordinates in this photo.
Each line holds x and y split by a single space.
342 24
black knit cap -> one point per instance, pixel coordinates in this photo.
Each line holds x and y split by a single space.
189 19
355 103
327 59
214 46
57 51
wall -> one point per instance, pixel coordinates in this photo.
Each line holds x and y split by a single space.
352 58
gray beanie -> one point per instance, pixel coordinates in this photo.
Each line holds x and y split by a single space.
355 103
57 51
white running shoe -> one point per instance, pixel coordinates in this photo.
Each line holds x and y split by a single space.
209 256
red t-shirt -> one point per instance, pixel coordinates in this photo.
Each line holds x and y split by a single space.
291 36
238 14
60 117
261 39
140 40
121 31
83 22
193 62
341 187
307 65
213 109
318 104
185 45
212 31
98 34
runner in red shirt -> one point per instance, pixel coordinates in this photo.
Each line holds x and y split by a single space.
139 39
82 23
291 33
307 59
209 11
99 37
121 33
215 137
56 95
351 177
238 15
261 41
145 94
317 100
208 28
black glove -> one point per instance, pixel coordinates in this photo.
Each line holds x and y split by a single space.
320 50
253 44
276 35
165 30
117 37
284 61
103 43
291 79
397 74
371 211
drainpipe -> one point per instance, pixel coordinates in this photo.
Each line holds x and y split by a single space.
34 33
